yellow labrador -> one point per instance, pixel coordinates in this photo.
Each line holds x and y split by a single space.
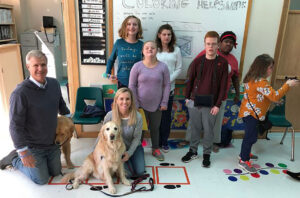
64 132
104 161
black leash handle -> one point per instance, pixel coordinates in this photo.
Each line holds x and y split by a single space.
69 186
133 190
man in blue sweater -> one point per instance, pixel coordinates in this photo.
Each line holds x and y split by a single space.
34 106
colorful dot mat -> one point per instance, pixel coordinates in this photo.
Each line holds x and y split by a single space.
268 169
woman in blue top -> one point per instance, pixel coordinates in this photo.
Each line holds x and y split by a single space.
128 49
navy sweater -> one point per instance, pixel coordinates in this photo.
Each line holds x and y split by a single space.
33 114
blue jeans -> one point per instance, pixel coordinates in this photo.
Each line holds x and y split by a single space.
165 124
250 137
120 85
135 166
47 164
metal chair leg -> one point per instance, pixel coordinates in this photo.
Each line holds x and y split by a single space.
286 130
293 144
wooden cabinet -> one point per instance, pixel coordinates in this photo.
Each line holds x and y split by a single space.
11 72
7 24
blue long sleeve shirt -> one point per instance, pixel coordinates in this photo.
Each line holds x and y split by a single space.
33 113
128 54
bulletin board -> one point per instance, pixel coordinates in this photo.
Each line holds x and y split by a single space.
190 19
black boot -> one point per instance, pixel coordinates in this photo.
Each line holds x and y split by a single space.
206 160
294 175
7 160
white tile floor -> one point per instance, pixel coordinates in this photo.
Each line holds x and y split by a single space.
195 180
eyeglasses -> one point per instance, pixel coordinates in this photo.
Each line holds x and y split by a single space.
211 44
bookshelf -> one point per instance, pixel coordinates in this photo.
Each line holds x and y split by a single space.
7 24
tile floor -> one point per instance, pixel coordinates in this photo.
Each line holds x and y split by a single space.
194 180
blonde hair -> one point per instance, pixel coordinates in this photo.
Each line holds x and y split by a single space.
123 32
116 115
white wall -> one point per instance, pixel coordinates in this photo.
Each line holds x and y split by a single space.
263 30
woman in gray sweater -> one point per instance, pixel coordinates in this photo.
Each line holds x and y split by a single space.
124 113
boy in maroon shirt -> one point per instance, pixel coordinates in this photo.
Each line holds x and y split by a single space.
207 76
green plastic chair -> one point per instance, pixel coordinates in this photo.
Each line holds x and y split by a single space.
278 119
87 93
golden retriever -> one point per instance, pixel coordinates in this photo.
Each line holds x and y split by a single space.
105 160
64 132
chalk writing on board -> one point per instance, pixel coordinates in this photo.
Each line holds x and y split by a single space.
163 4
221 5
185 45
181 4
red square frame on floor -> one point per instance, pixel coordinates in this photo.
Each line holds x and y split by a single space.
184 170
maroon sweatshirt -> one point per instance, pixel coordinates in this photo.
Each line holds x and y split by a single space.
205 84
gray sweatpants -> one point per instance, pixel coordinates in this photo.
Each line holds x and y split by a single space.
217 128
201 119
154 119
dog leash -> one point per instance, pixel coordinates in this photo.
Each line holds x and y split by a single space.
64 141
133 186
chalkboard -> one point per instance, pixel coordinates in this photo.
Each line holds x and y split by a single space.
190 19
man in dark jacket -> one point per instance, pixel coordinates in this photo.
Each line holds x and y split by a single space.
34 106
205 90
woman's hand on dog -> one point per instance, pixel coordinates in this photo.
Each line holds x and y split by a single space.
125 157
27 159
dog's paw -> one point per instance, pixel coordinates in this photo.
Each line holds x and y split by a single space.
70 166
75 185
126 182
112 190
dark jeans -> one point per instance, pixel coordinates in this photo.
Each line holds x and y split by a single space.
120 85
165 124
250 137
